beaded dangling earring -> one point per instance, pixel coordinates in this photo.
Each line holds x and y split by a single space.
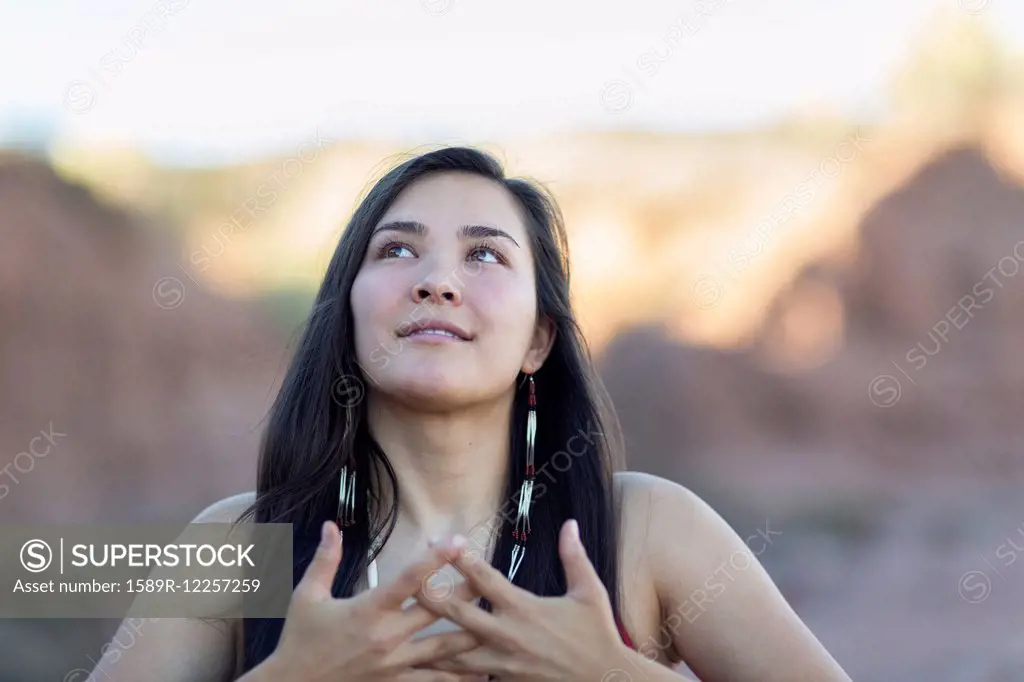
347 498
347 518
522 528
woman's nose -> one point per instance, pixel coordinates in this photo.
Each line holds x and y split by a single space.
436 291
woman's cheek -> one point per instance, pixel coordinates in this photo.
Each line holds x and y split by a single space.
511 319
372 305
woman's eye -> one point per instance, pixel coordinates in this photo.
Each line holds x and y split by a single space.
483 254
393 250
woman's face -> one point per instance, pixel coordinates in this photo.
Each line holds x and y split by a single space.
445 302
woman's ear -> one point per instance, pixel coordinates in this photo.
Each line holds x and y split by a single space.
540 345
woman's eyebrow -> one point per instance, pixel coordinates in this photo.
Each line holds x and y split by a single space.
465 232
484 232
407 226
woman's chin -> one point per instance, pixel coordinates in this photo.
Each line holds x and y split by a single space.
429 393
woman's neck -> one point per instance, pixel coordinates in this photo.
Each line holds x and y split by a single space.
451 468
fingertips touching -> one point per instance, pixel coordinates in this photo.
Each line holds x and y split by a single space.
448 548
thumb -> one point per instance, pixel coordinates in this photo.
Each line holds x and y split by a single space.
581 578
319 576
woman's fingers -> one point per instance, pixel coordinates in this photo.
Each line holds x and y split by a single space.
416 617
465 613
429 675
487 581
581 578
424 581
425 650
412 578
316 582
479 661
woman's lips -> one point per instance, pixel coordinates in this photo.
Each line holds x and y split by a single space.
434 329
433 336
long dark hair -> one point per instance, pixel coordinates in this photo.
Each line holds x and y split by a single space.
313 430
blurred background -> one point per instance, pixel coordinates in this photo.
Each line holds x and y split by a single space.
797 230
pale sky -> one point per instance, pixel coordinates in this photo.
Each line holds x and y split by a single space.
224 80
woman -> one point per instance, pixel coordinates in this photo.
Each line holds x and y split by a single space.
442 410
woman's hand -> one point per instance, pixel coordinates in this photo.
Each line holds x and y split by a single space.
527 637
366 637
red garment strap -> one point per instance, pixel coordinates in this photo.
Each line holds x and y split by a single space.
624 634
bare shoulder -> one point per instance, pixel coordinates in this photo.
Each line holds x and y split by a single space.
180 649
666 523
635 485
645 499
727 618
226 510
684 536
